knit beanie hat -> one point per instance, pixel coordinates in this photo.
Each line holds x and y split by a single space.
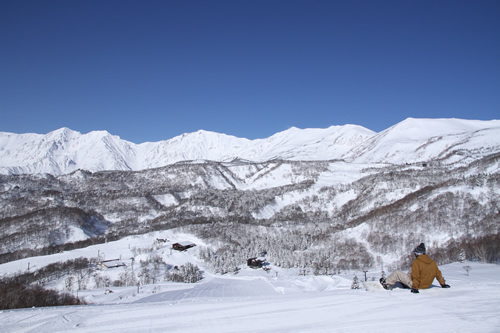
419 249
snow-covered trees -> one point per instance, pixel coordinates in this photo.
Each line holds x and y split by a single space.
300 219
15 295
188 273
288 247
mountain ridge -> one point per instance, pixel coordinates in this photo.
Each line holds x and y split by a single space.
413 140
439 184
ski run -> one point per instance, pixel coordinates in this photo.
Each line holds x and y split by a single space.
256 300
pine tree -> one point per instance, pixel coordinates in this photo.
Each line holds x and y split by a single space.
462 256
355 283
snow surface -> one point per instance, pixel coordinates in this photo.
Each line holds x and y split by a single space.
258 301
419 140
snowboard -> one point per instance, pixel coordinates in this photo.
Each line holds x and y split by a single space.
373 286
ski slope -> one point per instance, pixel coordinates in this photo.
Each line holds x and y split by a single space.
256 305
258 301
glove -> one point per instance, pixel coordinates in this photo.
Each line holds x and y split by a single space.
415 291
445 286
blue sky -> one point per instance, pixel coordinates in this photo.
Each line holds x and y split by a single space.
152 70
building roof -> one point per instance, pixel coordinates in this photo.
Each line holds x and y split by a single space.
186 243
112 263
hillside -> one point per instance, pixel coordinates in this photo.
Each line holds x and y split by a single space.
321 215
255 300
420 140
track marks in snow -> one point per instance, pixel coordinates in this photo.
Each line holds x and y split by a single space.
215 288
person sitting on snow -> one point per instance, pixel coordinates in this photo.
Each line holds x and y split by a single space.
421 275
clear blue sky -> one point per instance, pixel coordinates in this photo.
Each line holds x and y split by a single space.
151 70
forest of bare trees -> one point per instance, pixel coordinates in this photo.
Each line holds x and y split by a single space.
300 222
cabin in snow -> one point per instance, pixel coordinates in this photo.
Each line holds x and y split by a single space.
112 263
256 262
182 246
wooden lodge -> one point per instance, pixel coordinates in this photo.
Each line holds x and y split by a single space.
255 262
182 246
112 263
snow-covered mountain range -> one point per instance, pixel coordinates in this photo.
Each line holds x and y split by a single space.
325 200
412 140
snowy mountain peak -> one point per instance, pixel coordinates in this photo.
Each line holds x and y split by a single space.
415 140
64 150
431 127
202 135
63 132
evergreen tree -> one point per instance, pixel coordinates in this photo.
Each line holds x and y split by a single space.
355 283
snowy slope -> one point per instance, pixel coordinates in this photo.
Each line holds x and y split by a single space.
200 145
256 301
420 140
308 144
413 140
465 308
64 151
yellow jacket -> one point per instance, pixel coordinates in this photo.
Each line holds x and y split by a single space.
423 272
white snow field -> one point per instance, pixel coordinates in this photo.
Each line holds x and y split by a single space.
258 301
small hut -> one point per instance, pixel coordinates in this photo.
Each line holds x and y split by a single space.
256 262
112 263
182 246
